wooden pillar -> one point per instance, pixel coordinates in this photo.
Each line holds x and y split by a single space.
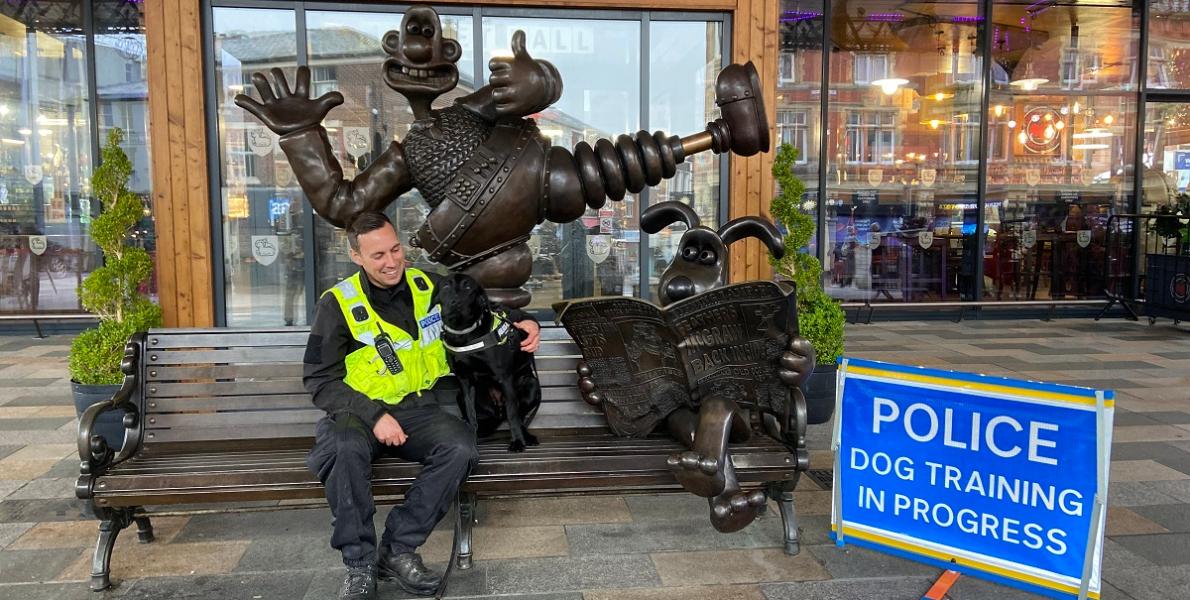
177 141
754 38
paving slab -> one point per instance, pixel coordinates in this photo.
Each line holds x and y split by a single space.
34 565
736 566
571 574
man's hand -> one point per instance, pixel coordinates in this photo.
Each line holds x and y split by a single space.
389 431
532 335
522 85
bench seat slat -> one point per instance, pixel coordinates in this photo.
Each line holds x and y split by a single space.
167 338
226 388
275 370
282 474
219 356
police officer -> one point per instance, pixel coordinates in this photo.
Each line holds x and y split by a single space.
376 364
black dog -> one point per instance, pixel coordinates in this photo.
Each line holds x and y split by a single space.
498 380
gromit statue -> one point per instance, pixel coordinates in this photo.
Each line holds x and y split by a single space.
712 365
483 167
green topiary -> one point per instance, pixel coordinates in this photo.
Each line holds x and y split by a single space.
112 292
820 318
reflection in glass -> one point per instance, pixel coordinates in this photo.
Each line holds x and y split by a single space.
1169 44
45 157
684 59
903 139
1062 122
599 61
345 54
799 90
122 95
262 203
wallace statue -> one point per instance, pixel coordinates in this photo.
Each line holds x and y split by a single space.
485 170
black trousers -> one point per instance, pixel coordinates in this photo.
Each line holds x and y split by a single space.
344 449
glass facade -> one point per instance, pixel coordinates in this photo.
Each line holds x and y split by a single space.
277 255
975 150
961 151
69 72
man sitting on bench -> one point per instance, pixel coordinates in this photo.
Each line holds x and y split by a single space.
374 362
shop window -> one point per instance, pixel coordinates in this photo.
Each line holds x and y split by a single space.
870 67
323 80
871 137
786 68
793 129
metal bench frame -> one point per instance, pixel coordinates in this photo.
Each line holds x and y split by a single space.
219 415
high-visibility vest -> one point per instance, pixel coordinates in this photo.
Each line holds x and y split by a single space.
422 361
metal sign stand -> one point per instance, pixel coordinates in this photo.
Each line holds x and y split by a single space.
836 489
1096 529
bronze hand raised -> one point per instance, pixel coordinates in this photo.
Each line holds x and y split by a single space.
522 85
284 111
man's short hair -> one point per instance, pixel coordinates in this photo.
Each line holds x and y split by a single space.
365 222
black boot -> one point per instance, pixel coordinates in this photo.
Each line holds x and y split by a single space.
360 584
409 572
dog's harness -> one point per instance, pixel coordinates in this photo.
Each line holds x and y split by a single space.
497 336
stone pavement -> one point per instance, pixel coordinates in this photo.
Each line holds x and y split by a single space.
618 547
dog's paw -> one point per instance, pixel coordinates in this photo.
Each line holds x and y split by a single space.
516 446
530 439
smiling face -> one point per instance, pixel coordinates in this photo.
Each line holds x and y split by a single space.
381 256
423 62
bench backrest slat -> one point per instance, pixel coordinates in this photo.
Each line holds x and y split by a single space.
240 387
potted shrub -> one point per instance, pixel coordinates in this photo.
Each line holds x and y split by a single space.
112 291
820 318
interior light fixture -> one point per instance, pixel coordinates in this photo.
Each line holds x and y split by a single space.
1108 119
12 142
1012 124
998 110
25 131
45 132
3 110
1030 81
1022 137
890 85
1092 133
1091 146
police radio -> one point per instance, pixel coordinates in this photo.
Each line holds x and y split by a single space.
388 354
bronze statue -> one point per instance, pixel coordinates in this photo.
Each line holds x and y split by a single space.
687 364
484 169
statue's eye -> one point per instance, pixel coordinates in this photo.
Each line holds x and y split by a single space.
689 253
413 29
427 31
707 257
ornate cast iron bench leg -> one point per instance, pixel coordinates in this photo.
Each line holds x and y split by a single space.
467 501
782 493
144 529
113 520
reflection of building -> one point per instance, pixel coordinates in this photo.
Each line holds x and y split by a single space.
945 148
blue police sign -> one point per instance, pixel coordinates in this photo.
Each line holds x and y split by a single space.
1000 478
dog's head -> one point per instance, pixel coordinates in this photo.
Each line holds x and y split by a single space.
463 301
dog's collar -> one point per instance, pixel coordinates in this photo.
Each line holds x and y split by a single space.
462 331
501 328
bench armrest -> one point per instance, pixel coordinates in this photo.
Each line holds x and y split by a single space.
94 453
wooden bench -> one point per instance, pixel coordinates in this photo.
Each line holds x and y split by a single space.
219 415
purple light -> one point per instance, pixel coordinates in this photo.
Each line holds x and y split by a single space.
966 20
885 17
796 16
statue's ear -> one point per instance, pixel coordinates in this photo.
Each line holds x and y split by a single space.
738 229
451 50
655 217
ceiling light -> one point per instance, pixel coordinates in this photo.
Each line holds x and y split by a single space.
1011 124
3 109
1093 146
45 131
1108 119
25 131
890 85
998 110
1022 137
